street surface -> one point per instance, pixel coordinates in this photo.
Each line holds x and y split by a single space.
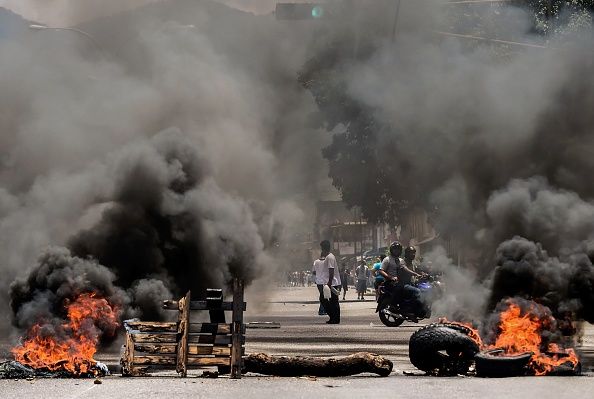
303 332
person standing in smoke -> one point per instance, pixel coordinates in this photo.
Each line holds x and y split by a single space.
330 277
319 275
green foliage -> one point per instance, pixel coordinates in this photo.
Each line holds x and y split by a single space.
561 16
365 171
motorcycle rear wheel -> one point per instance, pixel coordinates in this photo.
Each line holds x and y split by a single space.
388 320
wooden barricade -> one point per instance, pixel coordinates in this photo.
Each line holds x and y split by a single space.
182 344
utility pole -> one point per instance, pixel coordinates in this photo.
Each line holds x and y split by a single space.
395 24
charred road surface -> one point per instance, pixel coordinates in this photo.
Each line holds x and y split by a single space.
303 332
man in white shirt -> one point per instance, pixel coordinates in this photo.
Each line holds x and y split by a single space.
320 280
330 276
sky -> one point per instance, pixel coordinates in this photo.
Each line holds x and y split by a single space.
69 12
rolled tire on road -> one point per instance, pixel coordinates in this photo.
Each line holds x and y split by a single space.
442 349
489 364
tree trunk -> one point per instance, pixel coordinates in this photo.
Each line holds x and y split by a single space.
357 363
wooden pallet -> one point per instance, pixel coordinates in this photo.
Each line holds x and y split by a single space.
181 345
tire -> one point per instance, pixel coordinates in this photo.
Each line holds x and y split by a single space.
389 321
454 326
488 364
442 349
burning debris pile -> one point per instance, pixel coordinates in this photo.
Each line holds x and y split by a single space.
160 230
70 346
526 327
150 187
521 338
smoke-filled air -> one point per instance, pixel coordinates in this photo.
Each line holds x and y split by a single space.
178 152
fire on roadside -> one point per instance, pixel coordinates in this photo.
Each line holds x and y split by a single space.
520 330
71 344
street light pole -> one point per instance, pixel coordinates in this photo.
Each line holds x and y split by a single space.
395 24
80 32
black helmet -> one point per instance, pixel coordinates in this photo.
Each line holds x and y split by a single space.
410 253
395 248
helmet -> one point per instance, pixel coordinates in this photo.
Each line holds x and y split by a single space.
410 253
395 248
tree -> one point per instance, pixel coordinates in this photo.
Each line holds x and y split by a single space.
354 155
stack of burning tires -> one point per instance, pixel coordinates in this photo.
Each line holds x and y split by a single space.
449 348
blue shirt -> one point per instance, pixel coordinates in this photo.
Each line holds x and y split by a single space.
376 268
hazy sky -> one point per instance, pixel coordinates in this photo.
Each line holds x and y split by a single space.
66 12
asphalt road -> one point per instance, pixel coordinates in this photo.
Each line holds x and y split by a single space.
303 332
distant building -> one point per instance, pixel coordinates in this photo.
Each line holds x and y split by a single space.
352 235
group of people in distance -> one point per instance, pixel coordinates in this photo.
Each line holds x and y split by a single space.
390 269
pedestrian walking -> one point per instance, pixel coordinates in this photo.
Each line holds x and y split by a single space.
362 272
344 279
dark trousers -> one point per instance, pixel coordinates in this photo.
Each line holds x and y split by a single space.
407 291
331 305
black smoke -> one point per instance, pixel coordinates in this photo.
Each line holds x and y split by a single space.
165 228
58 278
563 284
175 158
494 142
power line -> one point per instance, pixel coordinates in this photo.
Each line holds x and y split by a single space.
486 39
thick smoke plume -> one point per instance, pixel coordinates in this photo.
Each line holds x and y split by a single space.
494 140
174 157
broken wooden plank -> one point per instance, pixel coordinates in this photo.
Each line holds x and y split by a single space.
182 332
147 326
127 360
237 337
198 305
212 339
156 360
194 338
163 349
191 361
154 338
171 349
209 350
210 328
209 361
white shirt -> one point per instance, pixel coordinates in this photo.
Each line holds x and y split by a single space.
318 268
324 273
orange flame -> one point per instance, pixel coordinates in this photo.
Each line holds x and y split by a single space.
71 345
520 331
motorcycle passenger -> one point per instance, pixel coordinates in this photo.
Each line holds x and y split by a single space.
410 253
378 278
397 273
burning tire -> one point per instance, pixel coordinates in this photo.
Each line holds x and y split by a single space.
442 349
491 364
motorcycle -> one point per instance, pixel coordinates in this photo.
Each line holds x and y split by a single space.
408 308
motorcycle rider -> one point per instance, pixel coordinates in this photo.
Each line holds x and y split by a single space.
396 273
410 253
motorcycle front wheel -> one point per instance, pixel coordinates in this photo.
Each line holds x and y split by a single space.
389 320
